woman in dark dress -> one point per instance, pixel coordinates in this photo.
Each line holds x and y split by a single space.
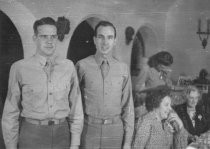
193 113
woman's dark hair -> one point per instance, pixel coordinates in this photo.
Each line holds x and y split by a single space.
163 58
155 96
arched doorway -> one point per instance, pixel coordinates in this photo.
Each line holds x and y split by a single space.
82 44
150 39
138 51
144 45
11 50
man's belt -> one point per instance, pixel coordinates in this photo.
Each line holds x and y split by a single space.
44 122
95 120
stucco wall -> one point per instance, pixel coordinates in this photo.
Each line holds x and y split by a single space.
181 37
122 15
173 28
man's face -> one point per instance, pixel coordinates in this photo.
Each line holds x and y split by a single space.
46 40
105 39
192 99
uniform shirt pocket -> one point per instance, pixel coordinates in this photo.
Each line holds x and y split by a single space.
30 89
32 94
117 82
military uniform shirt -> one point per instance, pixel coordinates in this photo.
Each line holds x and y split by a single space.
109 97
32 95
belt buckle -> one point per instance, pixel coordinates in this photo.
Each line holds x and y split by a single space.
107 121
50 122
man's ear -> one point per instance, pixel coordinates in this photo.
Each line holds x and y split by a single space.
115 41
94 39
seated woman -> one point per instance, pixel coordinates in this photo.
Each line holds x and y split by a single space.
193 113
160 128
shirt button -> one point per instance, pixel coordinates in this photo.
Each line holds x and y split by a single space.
50 93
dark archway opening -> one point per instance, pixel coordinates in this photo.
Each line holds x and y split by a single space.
138 51
81 44
11 50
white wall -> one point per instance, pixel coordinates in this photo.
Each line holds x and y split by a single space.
182 40
173 24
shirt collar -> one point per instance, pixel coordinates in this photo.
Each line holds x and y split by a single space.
55 60
41 59
191 110
100 58
156 116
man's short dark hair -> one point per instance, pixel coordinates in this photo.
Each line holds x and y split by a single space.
105 23
43 21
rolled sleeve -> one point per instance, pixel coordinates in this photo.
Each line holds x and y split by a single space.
10 117
76 117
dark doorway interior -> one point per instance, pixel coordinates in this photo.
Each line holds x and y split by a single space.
81 44
138 51
11 50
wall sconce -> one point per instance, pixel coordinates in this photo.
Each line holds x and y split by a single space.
203 36
63 27
129 32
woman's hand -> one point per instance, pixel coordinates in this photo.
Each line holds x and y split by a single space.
192 138
175 120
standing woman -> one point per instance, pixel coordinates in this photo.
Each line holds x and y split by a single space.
156 72
160 128
153 73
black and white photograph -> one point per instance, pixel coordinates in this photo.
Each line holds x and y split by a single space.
104 74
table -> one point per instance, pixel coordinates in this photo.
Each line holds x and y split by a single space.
203 142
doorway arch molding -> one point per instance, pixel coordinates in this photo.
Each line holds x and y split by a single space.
23 20
99 16
145 44
150 38
81 41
